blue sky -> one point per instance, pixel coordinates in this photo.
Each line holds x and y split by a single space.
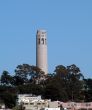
69 28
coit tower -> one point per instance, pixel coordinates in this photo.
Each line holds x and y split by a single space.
41 50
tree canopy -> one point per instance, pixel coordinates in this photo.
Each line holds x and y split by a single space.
67 83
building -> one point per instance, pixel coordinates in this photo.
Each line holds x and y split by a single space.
35 104
26 98
41 50
30 102
76 106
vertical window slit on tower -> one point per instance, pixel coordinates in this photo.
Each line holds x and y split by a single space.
39 41
45 41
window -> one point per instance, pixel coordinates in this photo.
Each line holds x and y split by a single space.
31 103
39 41
42 40
75 104
25 103
87 104
43 103
38 103
45 41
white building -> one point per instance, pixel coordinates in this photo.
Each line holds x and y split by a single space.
41 50
35 104
30 102
26 98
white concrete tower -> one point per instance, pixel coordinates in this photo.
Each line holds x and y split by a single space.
41 50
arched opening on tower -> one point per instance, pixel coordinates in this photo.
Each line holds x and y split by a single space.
42 40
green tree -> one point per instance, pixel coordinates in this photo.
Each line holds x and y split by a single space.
55 87
61 71
9 99
88 90
74 82
22 71
29 73
8 94
6 79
